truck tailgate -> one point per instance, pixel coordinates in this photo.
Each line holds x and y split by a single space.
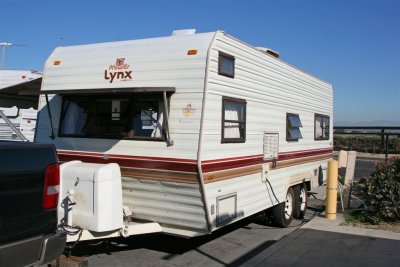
22 171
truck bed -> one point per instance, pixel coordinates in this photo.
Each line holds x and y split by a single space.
22 177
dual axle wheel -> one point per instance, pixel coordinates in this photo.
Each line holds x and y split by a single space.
294 206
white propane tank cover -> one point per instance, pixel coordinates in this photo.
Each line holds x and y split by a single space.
97 194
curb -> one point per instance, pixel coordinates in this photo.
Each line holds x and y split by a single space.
322 224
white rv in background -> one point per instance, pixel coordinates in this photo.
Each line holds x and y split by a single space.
17 117
185 134
23 119
12 77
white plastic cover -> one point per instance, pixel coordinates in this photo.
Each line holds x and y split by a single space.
96 190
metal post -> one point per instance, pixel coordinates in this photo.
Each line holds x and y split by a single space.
169 141
382 139
3 52
52 136
331 190
386 146
3 56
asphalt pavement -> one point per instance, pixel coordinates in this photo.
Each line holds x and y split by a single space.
322 242
315 241
330 243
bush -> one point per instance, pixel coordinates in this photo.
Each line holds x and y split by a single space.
381 190
365 143
362 216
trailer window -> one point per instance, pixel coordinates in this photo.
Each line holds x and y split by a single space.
233 120
293 125
113 116
321 127
226 65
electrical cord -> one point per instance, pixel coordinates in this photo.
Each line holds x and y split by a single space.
126 219
71 230
277 200
273 192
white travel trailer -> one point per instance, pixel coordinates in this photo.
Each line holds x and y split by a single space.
12 77
18 112
24 120
204 129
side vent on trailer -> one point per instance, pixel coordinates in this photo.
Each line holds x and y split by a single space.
183 32
271 152
269 51
271 145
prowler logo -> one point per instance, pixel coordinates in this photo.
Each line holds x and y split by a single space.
118 71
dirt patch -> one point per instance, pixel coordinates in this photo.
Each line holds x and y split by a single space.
394 226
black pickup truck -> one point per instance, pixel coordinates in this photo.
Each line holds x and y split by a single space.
29 185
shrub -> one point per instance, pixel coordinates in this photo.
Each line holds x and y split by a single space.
367 144
362 216
381 190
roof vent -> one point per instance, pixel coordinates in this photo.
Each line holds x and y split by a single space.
269 51
183 32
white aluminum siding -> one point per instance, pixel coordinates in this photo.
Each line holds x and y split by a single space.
271 88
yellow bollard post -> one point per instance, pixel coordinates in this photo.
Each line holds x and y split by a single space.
331 190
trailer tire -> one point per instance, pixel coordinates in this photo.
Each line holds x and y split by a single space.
282 213
300 201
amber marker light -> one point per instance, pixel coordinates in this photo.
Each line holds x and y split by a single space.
57 62
192 52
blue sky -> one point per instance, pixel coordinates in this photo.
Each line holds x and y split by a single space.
355 45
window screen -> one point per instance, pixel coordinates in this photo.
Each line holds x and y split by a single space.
293 125
112 116
294 121
321 127
233 120
226 65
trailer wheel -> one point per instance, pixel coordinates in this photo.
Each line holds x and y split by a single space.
282 213
300 201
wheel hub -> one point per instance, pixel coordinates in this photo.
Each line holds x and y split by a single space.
288 206
303 197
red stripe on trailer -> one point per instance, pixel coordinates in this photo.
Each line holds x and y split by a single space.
184 165
132 162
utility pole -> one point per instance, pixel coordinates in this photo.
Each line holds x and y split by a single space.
3 52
